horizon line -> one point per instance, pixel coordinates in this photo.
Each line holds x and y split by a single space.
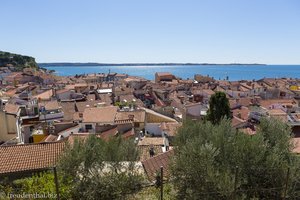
163 63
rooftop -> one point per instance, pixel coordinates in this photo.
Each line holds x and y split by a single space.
147 141
100 115
153 164
28 157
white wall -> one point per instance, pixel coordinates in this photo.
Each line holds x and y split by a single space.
82 126
194 110
51 116
153 128
68 132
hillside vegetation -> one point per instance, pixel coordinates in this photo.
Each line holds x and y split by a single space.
17 61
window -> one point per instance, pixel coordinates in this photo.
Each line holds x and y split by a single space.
136 124
88 126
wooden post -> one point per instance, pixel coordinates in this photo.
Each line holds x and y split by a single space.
235 182
161 182
286 183
56 183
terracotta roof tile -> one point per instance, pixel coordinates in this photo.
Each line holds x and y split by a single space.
28 157
62 91
235 121
144 151
171 127
78 136
151 141
241 112
296 144
11 108
138 116
128 134
100 115
50 138
153 164
105 135
269 102
45 95
50 105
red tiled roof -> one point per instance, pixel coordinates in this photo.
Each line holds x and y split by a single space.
241 113
78 136
235 121
105 135
153 164
296 143
50 138
11 108
62 91
100 115
50 105
11 93
128 134
138 116
144 151
171 127
269 102
44 95
146 141
29 157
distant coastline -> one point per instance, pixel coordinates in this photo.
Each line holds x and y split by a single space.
233 72
65 64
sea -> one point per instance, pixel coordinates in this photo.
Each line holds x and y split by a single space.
218 72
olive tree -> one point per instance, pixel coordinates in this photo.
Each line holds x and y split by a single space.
220 162
101 169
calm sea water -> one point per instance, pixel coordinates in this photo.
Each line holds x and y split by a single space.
234 72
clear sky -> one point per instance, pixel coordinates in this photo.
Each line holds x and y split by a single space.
140 31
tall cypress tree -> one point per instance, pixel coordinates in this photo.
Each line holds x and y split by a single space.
218 107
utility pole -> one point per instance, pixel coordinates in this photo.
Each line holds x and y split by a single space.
56 182
161 181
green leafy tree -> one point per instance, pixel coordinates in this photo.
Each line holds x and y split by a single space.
6 188
44 183
218 107
101 169
219 162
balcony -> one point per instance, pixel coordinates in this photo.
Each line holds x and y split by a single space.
51 115
29 112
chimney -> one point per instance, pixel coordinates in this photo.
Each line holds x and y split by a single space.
151 151
76 108
239 115
53 92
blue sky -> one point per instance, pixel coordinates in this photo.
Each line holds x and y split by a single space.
140 31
